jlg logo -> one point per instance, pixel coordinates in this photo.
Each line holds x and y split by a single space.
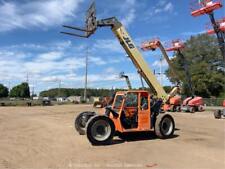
128 42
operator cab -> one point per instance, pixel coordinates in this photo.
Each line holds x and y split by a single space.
133 108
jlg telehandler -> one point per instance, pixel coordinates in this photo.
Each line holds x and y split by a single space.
132 110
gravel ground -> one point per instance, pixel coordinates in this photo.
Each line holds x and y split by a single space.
44 137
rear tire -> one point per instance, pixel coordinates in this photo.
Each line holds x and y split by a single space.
164 126
200 108
191 109
100 130
217 114
81 120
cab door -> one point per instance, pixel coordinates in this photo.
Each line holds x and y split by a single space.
144 111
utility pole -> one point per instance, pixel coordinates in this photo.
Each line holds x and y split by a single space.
86 73
27 78
59 93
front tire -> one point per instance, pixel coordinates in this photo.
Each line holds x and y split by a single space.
100 130
164 126
192 109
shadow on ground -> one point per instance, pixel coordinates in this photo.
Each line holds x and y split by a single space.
137 136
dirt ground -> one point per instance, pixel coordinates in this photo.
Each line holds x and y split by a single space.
44 137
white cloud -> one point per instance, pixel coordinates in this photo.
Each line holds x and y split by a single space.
159 63
41 14
129 18
97 60
50 56
168 7
109 45
161 7
130 12
50 79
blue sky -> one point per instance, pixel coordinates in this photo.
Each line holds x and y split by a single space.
30 42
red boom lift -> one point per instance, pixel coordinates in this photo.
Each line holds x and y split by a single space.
221 24
203 7
174 102
193 103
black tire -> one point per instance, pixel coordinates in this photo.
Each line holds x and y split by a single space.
178 109
191 109
217 114
164 126
100 130
81 121
200 108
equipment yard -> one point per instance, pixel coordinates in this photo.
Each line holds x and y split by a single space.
44 137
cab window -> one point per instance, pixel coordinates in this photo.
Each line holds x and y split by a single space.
131 100
144 101
118 101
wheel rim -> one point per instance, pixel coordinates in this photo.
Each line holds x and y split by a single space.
82 121
167 126
100 130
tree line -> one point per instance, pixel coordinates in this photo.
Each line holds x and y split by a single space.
65 92
21 91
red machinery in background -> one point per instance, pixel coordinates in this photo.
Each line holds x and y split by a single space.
220 113
204 7
207 7
221 24
175 102
192 103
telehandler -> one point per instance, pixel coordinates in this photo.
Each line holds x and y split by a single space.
132 110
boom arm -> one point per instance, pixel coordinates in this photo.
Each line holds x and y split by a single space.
184 65
168 60
134 54
122 75
127 43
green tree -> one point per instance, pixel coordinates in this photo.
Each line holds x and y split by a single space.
65 92
22 91
4 92
201 53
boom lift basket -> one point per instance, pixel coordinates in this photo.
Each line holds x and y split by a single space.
175 45
201 7
150 45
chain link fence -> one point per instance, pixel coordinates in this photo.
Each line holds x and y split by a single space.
213 101
19 102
